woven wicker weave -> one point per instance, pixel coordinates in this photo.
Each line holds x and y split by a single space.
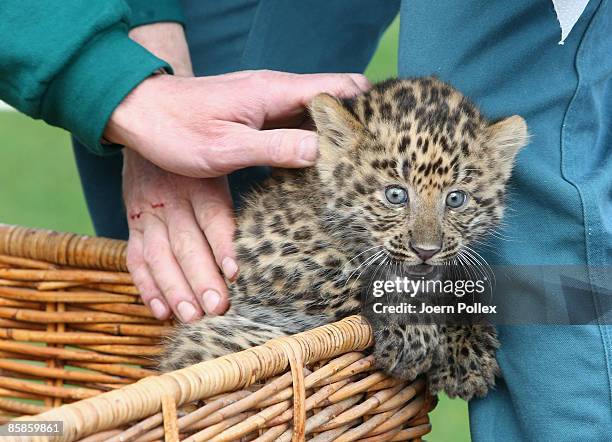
73 297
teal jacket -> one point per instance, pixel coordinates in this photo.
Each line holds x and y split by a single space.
71 62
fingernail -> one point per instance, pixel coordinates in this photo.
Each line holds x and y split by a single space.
309 149
159 309
230 268
211 300
186 311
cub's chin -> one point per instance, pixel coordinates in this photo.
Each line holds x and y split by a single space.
425 271
421 270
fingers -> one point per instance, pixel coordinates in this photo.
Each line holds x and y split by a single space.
173 264
149 292
288 148
196 261
281 98
163 267
213 208
286 94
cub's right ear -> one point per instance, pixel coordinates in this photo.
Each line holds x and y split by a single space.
334 122
508 136
505 139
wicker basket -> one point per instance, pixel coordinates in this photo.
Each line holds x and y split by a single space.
74 335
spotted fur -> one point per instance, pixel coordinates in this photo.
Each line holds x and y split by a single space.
304 235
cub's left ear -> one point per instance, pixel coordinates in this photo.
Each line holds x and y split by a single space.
336 125
507 137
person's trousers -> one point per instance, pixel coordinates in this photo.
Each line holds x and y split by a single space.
556 383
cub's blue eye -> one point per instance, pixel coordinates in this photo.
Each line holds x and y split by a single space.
456 199
396 195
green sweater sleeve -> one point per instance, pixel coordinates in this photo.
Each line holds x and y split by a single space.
154 11
70 63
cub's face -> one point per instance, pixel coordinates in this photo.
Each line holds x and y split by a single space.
412 170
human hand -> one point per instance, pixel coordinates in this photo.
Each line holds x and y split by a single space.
180 228
210 126
181 232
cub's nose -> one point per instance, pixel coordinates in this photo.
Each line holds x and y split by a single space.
425 252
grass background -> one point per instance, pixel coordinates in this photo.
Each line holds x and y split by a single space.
39 187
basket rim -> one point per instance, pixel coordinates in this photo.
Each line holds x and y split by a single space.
228 373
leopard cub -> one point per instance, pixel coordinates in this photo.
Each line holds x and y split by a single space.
409 174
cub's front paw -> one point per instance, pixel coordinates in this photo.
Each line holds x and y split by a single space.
406 351
470 367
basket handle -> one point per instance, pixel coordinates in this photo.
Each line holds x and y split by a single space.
67 249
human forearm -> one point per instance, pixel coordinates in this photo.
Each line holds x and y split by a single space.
166 41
